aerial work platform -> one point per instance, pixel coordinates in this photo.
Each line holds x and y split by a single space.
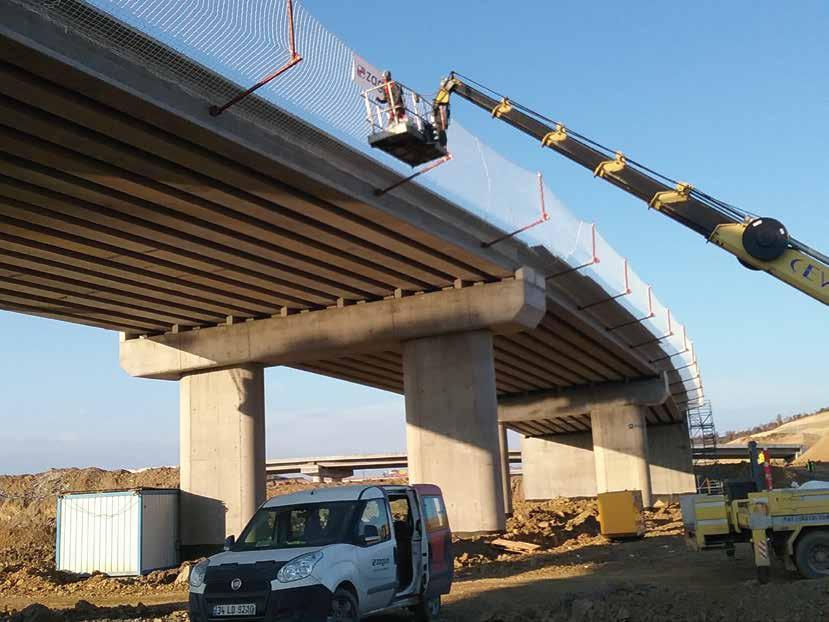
403 125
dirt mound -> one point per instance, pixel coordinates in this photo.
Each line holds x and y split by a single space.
819 452
557 525
782 477
27 580
793 602
84 610
806 431
28 503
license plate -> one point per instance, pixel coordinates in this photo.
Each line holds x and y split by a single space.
242 609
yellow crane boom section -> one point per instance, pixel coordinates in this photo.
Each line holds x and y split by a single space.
759 243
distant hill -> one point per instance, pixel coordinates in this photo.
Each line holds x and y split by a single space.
804 429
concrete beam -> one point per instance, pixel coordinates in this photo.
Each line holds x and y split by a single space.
582 400
504 307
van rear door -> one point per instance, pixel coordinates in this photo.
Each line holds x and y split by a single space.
439 537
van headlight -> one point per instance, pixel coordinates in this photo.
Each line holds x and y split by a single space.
198 572
299 567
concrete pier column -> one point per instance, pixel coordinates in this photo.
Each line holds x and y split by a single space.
452 426
558 466
506 483
222 451
671 460
620 449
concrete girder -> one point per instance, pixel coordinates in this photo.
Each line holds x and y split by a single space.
584 399
503 307
148 112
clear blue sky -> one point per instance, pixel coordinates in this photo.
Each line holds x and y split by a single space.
732 97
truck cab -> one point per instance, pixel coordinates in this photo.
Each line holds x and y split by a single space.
332 554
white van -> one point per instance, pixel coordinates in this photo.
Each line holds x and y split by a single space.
332 554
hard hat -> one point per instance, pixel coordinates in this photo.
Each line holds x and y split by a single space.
387 75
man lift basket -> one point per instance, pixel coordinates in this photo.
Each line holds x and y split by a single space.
403 124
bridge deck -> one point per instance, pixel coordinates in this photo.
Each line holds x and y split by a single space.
125 206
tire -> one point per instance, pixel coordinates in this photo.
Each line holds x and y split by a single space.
343 607
427 610
812 555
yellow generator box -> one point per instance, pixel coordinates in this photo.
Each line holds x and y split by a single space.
620 514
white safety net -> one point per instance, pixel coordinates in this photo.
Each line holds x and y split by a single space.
241 42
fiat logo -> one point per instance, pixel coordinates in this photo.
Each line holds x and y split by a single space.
235 584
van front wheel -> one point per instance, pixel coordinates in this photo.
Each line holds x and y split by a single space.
427 610
343 607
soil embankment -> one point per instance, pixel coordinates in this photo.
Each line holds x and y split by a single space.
574 574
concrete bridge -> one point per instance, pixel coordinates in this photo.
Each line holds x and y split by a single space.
220 246
341 467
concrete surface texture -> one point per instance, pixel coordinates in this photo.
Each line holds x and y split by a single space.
222 453
558 466
564 465
452 426
579 401
671 466
620 449
505 307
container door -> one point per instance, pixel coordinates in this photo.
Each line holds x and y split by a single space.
439 537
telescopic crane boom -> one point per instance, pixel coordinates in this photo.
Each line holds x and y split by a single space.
758 243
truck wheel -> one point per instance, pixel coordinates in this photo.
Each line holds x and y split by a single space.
812 555
427 610
343 607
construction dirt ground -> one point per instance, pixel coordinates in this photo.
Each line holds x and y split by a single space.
574 574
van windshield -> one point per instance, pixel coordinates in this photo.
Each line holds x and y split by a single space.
296 526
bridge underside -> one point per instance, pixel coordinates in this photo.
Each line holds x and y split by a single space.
120 209
125 206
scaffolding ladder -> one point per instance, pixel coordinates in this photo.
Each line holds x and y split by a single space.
703 435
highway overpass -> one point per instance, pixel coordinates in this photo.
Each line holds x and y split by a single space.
218 246
340 467
787 452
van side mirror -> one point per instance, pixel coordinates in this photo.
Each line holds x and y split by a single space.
229 542
370 534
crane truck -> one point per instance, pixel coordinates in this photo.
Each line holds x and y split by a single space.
790 524
758 243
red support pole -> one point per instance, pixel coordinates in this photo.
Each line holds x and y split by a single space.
542 219
767 469
215 111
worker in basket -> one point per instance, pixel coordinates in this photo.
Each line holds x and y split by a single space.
392 94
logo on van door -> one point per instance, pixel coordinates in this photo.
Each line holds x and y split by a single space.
380 562
235 584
